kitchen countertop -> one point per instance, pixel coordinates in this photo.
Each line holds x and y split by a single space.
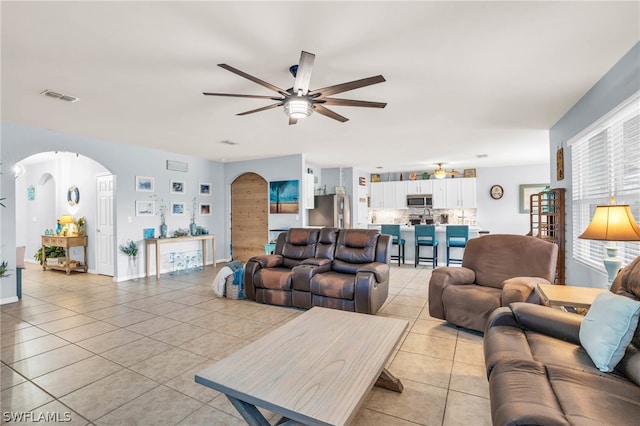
441 227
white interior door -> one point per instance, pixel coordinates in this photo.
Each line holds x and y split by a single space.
105 248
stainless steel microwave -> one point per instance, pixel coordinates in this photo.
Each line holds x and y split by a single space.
420 200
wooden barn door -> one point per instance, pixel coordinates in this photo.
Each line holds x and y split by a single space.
249 216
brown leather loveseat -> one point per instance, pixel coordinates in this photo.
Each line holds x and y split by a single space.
344 269
540 374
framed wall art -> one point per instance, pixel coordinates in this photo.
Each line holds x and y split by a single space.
205 209
176 187
469 173
177 208
204 188
525 195
145 208
284 196
145 184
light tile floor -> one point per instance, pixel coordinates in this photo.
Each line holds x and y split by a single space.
85 348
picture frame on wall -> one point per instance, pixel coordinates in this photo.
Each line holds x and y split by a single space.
176 187
205 209
145 208
145 184
204 188
284 196
178 208
526 191
469 173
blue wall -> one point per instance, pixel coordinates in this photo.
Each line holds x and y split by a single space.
621 82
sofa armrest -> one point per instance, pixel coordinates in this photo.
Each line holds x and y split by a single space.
268 260
521 289
301 275
441 278
380 270
316 261
550 321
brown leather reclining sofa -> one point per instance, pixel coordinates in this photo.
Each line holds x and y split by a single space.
344 269
539 374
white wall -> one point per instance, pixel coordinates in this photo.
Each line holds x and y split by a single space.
125 162
503 216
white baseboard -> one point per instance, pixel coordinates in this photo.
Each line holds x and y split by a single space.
6 300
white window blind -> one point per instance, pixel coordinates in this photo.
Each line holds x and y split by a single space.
605 162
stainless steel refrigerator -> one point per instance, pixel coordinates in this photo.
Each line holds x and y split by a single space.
331 210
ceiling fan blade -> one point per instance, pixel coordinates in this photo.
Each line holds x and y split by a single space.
344 87
261 109
327 112
234 95
303 75
254 79
292 121
351 102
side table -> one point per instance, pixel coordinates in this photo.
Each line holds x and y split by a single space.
568 295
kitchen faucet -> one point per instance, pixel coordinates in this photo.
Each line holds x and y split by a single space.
424 213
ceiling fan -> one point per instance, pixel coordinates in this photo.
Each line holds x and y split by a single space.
299 101
441 173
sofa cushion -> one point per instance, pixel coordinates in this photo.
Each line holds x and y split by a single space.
357 245
595 398
521 394
334 284
608 327
273 278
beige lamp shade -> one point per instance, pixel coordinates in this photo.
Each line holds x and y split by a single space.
612 223
66 219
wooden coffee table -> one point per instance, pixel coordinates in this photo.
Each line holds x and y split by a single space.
316 369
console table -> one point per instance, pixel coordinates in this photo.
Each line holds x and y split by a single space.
157 242
66 242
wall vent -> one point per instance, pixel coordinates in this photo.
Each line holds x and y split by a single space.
60 96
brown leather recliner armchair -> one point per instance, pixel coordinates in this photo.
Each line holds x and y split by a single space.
496 270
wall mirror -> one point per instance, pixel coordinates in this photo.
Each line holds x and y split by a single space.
73 195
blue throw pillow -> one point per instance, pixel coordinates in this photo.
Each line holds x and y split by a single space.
608 328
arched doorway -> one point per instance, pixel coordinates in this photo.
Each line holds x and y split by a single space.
249 216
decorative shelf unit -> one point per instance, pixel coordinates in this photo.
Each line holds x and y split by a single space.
547 222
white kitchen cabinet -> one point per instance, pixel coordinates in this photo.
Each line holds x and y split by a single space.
459 193
377 195
309 191
419 187
438 190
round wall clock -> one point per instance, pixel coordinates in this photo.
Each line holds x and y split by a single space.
496 192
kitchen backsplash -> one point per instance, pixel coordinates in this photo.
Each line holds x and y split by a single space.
402 216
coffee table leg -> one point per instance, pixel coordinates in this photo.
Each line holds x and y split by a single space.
389 381
249 412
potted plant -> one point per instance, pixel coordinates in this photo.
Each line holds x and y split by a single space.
82 223
130 248
50 252
4 269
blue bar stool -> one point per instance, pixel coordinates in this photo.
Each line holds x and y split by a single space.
425 236
394 231
457 237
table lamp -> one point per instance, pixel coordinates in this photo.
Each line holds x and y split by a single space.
612 223
67 221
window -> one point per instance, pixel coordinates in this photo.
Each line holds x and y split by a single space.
605 162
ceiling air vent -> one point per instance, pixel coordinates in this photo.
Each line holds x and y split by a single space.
60 96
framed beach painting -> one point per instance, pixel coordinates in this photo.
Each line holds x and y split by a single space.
177 187
177 208
205 209
204 188
284 196
145 208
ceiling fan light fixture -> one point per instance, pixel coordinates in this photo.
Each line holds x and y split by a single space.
298 107
439 173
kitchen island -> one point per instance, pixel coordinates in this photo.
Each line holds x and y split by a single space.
407 232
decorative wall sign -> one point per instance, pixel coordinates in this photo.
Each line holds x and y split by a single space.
144 184
469 173
179 166
560 164
284 196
